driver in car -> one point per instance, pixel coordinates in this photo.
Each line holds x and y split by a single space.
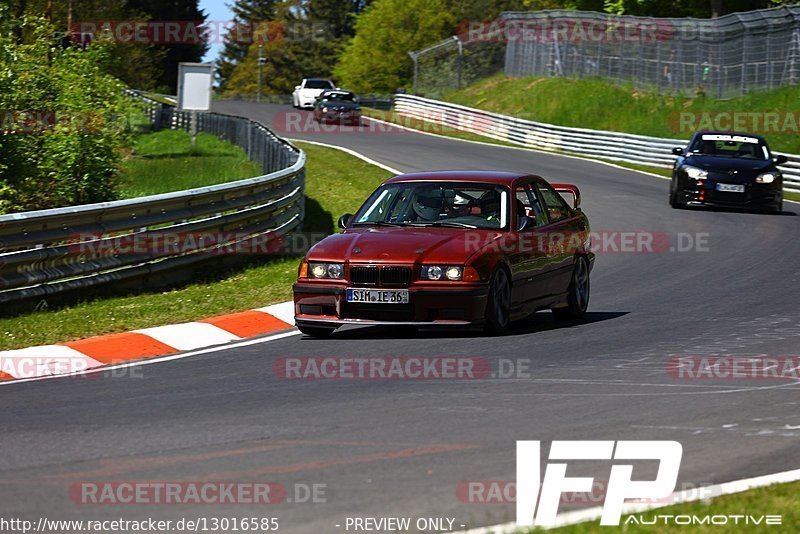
428 205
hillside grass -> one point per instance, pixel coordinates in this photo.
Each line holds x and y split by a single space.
601 105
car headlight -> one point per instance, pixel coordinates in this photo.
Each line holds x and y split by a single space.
441 272
767 177
326 270
694 173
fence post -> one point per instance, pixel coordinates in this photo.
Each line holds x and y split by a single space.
414 58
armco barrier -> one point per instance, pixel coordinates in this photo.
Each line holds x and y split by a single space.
54 250
614 146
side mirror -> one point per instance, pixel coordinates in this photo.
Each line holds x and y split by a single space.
677 151
345 220
525 223
781 159
296 87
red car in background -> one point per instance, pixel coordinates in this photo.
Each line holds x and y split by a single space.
450 248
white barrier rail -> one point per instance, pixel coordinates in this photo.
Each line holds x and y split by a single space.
613 146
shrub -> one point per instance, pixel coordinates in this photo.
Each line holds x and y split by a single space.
64 121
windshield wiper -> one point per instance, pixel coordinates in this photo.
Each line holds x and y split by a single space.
450 224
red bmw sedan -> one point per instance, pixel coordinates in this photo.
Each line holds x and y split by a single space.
450 248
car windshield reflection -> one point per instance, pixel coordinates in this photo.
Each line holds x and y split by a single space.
445 204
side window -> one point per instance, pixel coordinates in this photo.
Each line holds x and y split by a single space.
528 206
557 208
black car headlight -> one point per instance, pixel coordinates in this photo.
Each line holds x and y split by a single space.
326 270
768 177
694 173
453 273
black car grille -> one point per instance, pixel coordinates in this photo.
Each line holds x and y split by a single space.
364 275
385 276
395 276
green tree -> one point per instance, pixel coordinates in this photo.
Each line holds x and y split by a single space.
175 10
247 15
376 59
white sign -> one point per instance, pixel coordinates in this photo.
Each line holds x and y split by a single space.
194 86
620 485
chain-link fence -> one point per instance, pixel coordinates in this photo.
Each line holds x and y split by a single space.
454 63
722 57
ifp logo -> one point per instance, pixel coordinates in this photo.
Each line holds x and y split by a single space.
620 483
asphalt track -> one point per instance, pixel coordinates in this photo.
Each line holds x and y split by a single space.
384 448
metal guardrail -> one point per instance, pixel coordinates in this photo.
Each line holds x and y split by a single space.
382 102
614 146
50 251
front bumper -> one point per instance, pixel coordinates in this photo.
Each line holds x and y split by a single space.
335 117
755 196
306 102
326 305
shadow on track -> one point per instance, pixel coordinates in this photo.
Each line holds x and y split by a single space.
722 209
538 322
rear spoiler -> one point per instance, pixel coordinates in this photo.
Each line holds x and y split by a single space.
572 190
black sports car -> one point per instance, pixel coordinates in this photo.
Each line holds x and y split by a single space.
337 107
727 169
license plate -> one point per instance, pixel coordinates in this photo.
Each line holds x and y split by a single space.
378 296
730 188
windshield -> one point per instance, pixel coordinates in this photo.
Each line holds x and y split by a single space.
730 146
318 84
466 205
348 97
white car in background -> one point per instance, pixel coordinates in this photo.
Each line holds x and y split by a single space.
307 92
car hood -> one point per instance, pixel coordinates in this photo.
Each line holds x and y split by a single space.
403 245
719 164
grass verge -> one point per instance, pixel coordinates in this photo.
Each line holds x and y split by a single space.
335 183
602 105
778 499
165 161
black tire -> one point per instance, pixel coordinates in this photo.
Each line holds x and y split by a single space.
579 289
673 200
316 331
498 306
